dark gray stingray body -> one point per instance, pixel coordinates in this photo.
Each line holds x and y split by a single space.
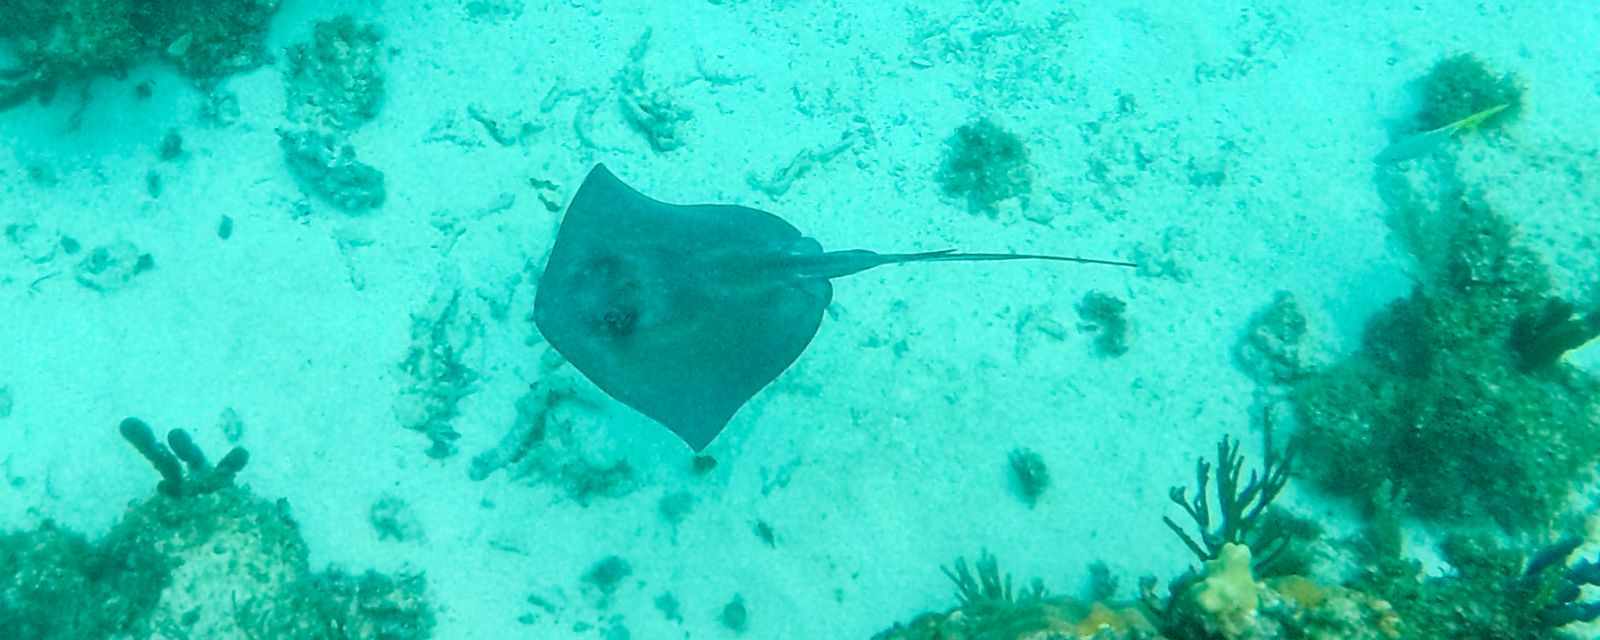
684 312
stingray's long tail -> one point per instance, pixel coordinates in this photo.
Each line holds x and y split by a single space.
953 255
834 264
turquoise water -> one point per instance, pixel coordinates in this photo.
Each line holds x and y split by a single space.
1362 249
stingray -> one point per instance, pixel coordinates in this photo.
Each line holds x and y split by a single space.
685 312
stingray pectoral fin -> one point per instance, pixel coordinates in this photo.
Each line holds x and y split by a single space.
693 374
671 373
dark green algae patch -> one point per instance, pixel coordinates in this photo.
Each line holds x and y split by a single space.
1458 402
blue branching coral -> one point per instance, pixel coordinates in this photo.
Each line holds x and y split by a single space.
1490 591
1557 586
1241 506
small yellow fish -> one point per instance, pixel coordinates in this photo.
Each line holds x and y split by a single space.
1417 145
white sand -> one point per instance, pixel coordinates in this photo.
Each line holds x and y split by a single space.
895 464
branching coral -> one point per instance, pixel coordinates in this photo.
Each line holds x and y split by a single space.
987 587
991 610
1491 591
1557 584
1226 599
1241 507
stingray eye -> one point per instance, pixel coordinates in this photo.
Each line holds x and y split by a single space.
601 267
618 321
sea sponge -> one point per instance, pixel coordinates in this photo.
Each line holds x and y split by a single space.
1228 593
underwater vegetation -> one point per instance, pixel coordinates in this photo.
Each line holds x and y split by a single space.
1460 86
1225 600
1458 94
1492 591
990 609
1270 350
735 615
1029 475
1458 405
202 558
1228 597
984 165
605 576
56 584
1104 314
1458 401
56 42
393 519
